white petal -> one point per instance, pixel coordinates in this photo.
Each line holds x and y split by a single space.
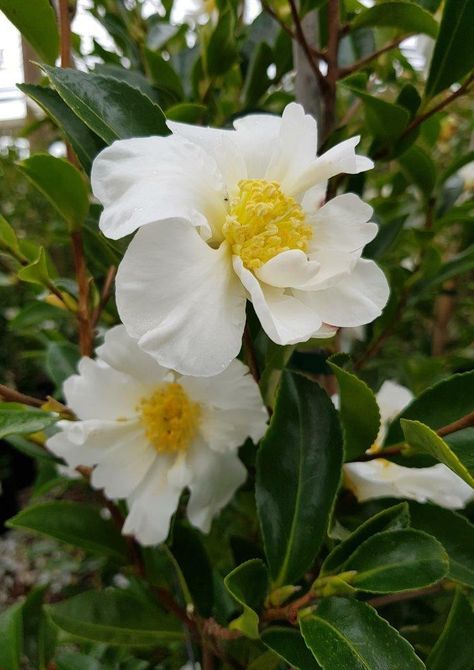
182 299
357 299
339 159
152 505
381 479
148 179
122 353
288 269
285 319
342 224
216 477
255 137
392 398
99 391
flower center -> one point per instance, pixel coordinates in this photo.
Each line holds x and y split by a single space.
170 418
262 222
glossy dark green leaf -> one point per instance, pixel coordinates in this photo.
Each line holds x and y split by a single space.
222 51
438 406
257 80
455 646
398 560
75 523
426 441
61 183
111 108
163 74
453 55
116 617
455 533
11 635
298 474
392 518
419 168
37 22
360 415
192 559
14 420
61 361
248 584
85 143
350 635
406 16
386 120
290 646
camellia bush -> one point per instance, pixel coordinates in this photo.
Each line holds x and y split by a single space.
236 346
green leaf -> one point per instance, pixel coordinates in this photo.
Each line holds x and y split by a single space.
392 518
8 236
111 108
397 560
290 646
11 634
61 183
248 584
61 361
75 523
163 74
427 441
222 49
455 533
36 272
350 635
360 415
71 661
116 617
406 16
386 120
14 420
455 647
85 143
194 564
36 21
298 474
256 80
453 55
419 168
438 405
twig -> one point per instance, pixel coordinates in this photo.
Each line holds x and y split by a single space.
271 12
464 422
250 354
289 612
212 628
10 395
302 41
358 65
104 296
382 601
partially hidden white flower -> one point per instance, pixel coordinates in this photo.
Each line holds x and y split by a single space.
381 478
230 215
150 432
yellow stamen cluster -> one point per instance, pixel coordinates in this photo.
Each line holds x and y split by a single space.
262 222
170 418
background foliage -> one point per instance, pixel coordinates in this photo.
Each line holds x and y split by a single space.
231 599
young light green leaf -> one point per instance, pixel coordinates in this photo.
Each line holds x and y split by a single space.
298 474
290 646
115 617
37 22
36 272
349 635
453 55
74 523
407 16
397 560
248 584
455 647
392 518
11 636
360 415
111 108
85 143
61 183
8 237
455 533
424 439
14 420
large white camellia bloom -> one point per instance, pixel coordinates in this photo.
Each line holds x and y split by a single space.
230 215
382 479
150 432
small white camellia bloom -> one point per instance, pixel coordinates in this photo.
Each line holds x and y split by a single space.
230 215
382 479
150 432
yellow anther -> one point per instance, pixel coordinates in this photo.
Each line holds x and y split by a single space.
170 418
262 222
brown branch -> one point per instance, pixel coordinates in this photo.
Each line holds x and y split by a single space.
382 601
302 41
104 296
271 12
213 629
464 422
344 71
10 395
250 356
289 612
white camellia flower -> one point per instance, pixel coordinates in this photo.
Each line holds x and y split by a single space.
150 432
382 479
230 215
